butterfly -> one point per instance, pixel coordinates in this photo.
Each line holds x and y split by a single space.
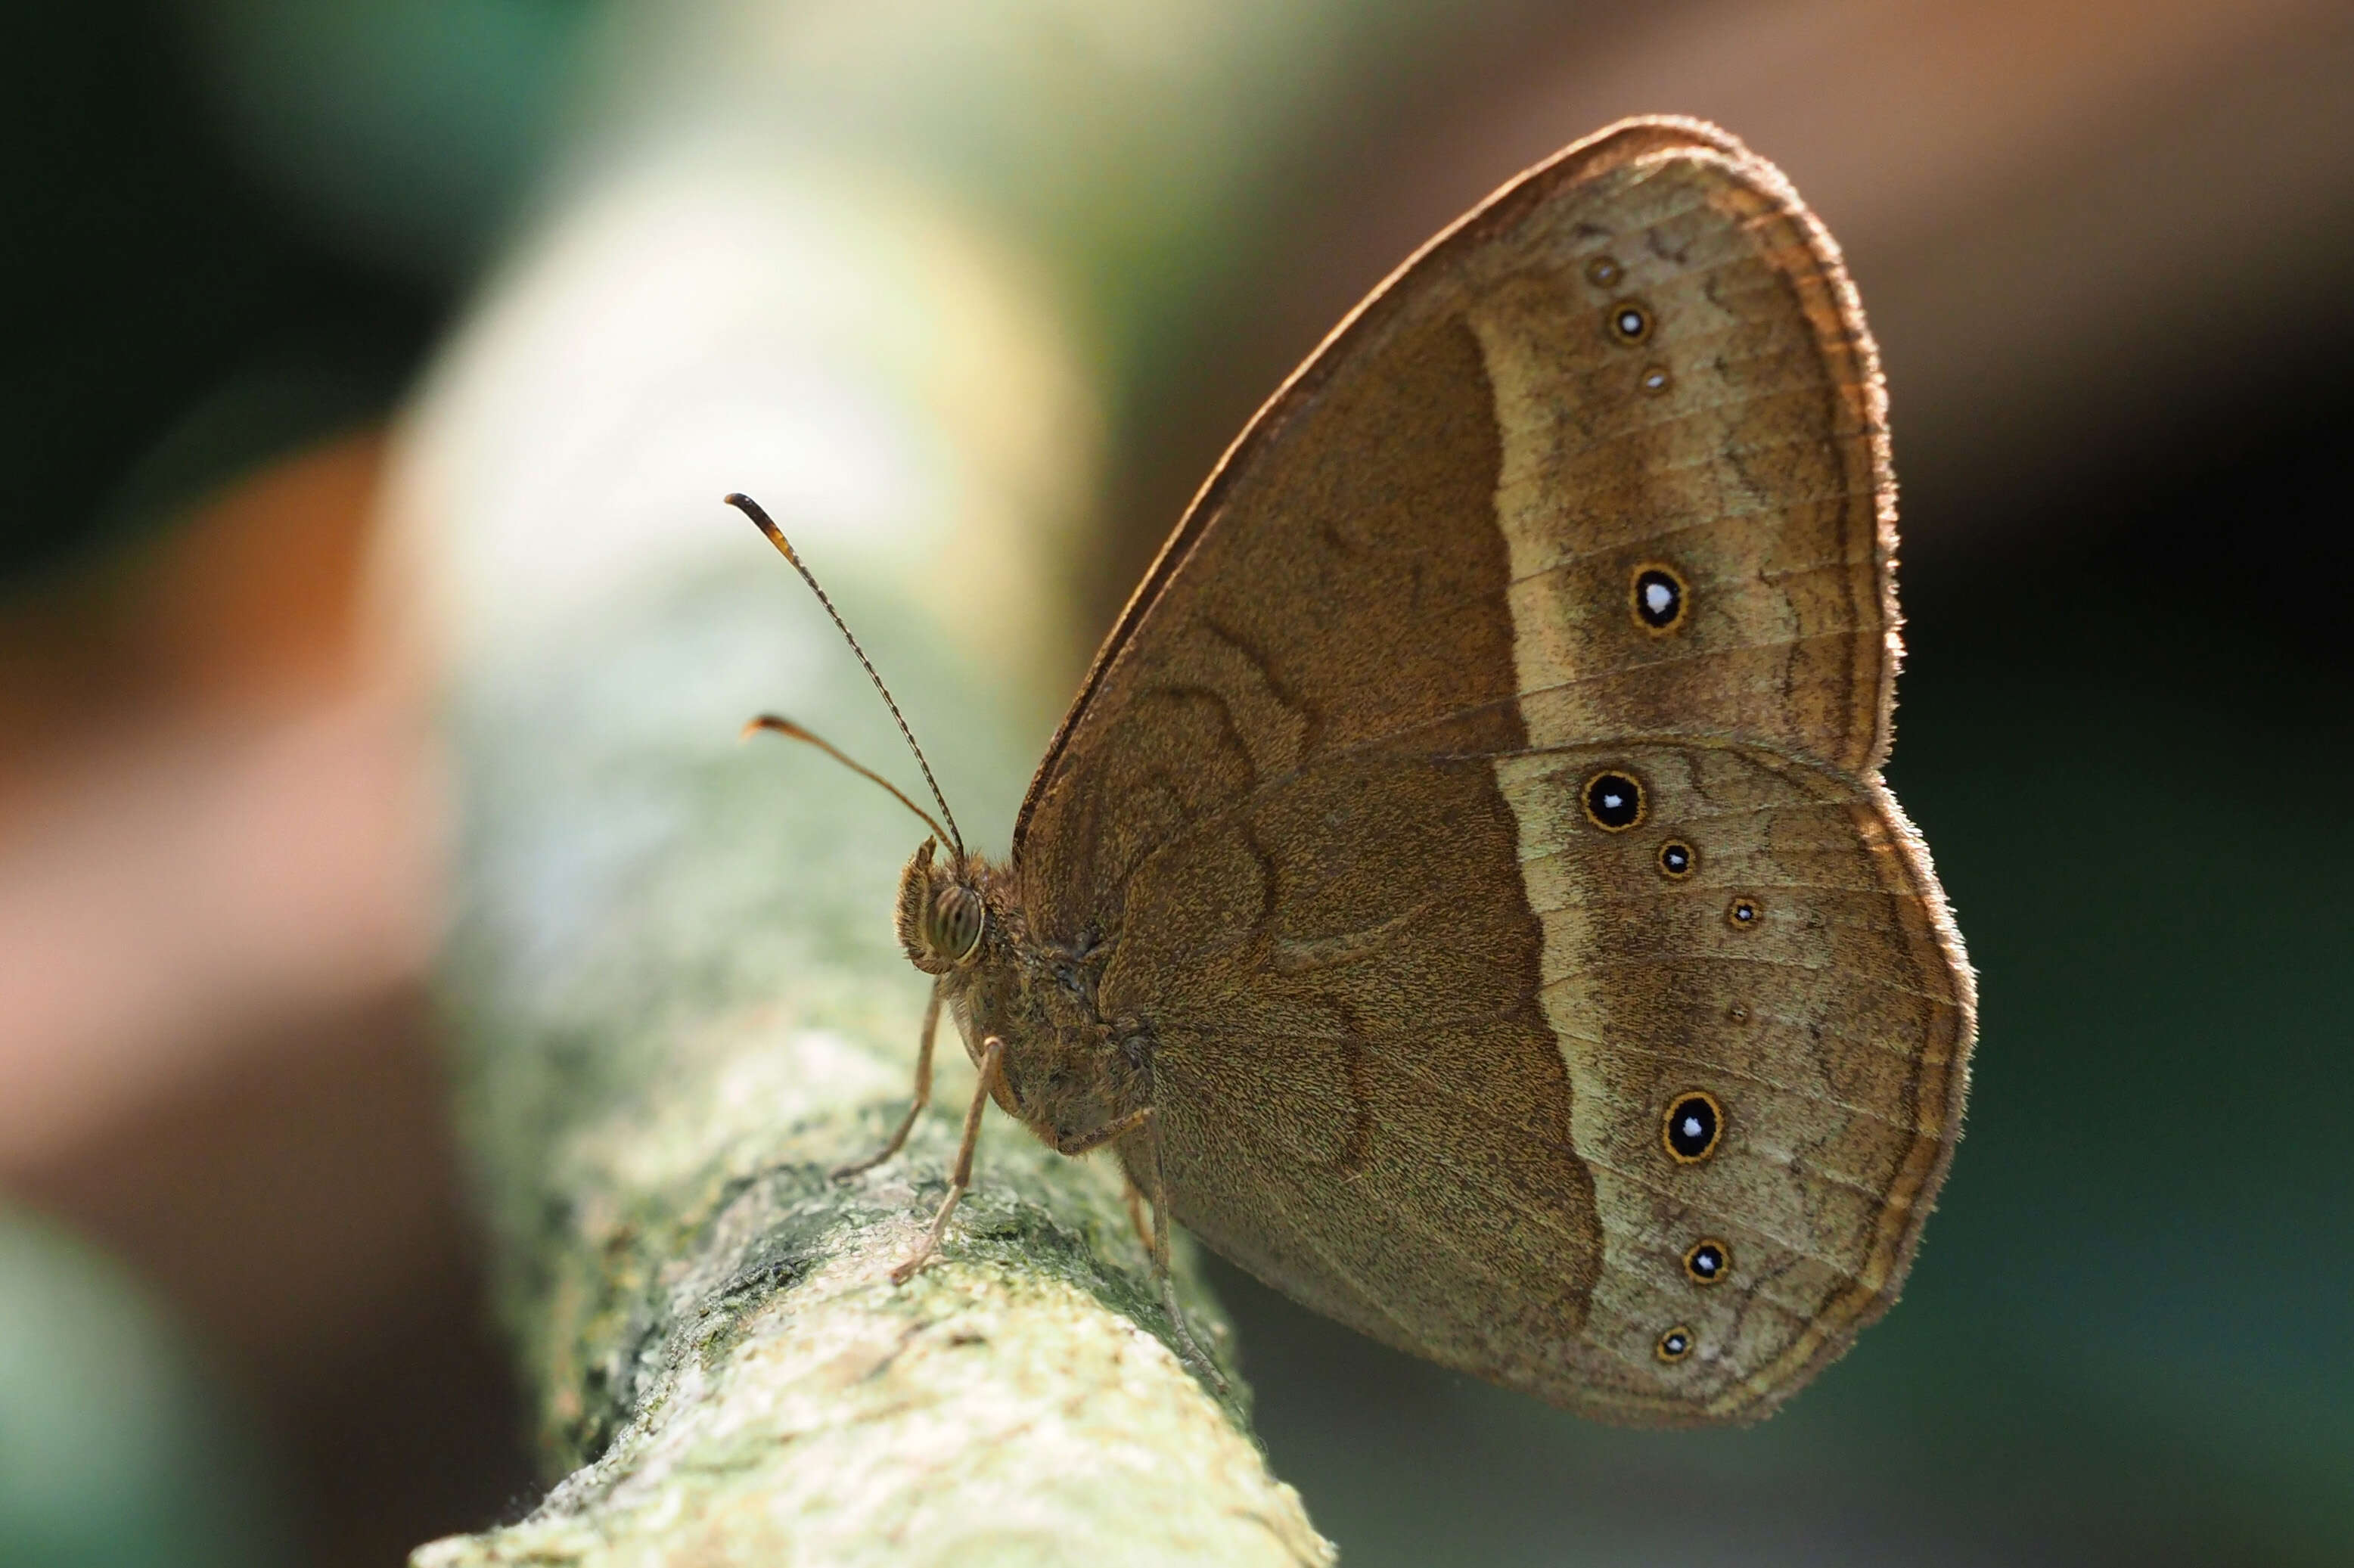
1463 892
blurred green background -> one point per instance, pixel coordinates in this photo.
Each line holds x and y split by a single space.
2106 247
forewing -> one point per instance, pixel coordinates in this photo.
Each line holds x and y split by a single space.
1417 1012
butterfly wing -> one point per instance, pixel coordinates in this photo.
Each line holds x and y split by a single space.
1571 546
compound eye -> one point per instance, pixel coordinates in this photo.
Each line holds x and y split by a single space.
956 923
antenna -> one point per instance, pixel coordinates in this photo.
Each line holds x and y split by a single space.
779 725
751 508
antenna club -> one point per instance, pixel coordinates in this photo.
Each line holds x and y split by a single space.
761 520
751 508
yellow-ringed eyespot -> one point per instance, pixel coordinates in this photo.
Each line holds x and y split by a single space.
1613 800
1657 597
1708 1261
1693 1126
1629 322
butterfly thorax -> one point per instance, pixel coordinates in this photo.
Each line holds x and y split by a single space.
1067 1070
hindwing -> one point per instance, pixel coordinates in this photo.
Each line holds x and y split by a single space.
1567 554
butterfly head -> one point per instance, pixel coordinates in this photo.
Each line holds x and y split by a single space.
941 916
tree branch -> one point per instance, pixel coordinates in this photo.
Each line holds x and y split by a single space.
677 1007
675 1000
739 1381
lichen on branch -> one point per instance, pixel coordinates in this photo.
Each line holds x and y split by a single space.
676 1006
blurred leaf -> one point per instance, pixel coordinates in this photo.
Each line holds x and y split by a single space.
115 1452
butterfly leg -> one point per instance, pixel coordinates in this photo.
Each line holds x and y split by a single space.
993 1053
1076 1143
1080 1143
1134 1194
923 1095
1188 1347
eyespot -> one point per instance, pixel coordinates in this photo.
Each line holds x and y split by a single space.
1738 1012
1708 1262
1655 379
1629 322
1692 1126
1675 1344
1678 860
1604 271
1613 801
956 923
1657 597
1744 914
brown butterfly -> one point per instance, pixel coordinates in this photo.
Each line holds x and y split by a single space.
1463 891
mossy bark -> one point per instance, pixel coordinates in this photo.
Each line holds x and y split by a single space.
901 278
676 1006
